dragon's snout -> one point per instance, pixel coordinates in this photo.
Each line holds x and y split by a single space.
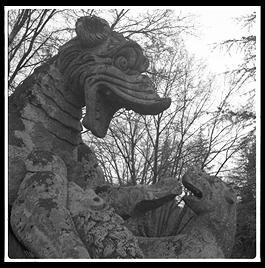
108 68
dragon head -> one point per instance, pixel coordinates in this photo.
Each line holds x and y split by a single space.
207 192
214 202
106 70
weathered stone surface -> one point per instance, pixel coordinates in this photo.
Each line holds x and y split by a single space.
161 222
216 209
54 110
211 230
146 208
105 236
53 83
35 114
181 247
204 228
160 247
61 207
108 68
82 200
124 199
93 173
39 217
99 227
16 173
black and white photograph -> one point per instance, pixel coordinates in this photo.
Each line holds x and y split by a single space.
132 133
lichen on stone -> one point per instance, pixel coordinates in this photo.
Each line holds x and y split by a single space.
104 235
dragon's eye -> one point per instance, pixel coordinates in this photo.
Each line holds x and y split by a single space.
122 63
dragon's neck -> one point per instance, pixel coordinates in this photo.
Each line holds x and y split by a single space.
221 229
44 114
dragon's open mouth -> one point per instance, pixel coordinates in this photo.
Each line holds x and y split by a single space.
190 187
104 99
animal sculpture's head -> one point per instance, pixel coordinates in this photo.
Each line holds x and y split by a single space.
106 70
214 201
207 192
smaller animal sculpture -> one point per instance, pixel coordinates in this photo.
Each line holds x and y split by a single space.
134 201
210 232
207 229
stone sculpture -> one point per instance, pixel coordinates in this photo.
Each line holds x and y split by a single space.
148 210
59 204
204 228
208 231
52 205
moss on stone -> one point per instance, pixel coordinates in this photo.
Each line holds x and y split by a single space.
40 178
41 157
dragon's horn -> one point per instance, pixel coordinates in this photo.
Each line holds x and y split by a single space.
92 30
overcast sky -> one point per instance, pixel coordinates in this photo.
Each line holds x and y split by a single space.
217 23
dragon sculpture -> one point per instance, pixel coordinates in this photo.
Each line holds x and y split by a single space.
59 203
50 169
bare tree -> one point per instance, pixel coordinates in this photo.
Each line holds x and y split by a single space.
151 146
195 130
240 119
29 42
141 149
244 75
35 35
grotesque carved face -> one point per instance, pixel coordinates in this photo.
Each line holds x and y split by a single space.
209 194
215 203
106 70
